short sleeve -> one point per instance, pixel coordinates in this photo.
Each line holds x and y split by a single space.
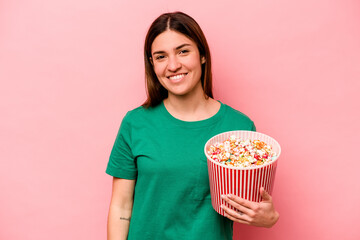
253 127
122 162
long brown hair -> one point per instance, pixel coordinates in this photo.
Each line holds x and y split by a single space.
182 23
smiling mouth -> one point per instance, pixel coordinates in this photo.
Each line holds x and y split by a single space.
177 77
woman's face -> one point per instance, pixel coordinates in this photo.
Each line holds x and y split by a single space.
177 63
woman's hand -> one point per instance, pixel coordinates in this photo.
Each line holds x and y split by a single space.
262 214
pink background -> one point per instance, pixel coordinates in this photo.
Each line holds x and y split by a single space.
70 70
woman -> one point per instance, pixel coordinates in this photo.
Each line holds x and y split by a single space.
160 186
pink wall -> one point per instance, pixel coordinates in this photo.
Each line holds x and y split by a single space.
70 70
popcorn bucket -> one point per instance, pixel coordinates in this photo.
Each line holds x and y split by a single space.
242 182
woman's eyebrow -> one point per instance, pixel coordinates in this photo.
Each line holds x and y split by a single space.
158 52
177 48
182 45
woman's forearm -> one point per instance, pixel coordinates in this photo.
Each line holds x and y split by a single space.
118 223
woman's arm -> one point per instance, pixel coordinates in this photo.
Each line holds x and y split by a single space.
120 209
262 214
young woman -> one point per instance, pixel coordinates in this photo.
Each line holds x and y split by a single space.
160 185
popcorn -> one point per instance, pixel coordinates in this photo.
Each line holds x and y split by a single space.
239 153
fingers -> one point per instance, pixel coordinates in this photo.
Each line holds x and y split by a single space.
235 216
238 200
237 203
251 213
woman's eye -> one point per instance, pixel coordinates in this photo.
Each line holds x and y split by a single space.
159 57
184 51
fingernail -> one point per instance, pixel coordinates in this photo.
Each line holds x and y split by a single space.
222 206
223 196
229 196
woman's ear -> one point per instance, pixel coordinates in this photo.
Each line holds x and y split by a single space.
203 60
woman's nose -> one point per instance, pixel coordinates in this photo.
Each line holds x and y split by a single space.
173 64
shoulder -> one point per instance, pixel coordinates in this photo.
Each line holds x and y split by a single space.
135 112
142 111
141 114
233 115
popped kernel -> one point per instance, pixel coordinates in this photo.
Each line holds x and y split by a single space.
241 153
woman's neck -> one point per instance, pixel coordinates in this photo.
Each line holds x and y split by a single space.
194 107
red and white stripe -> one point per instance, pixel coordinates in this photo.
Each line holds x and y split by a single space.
243 182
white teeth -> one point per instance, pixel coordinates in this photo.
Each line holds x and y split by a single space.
177 77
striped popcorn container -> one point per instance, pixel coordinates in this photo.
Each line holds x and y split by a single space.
243 182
